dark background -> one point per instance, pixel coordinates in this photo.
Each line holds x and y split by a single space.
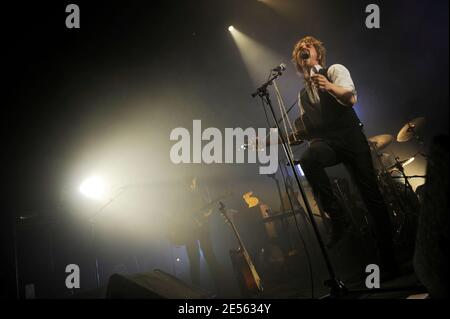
168 62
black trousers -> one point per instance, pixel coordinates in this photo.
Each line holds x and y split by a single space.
203 239
350 148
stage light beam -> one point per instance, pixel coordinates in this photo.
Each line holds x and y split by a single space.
231 28
258 59
285 8
93 187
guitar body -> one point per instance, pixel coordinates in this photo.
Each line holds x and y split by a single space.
249 284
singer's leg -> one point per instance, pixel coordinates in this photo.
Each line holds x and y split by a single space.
362 171
314 160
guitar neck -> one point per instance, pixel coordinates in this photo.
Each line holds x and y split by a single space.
238 237
209 205
247 257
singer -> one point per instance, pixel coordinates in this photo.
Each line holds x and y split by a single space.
334 134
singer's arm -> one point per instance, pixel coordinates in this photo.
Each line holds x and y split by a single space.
344 95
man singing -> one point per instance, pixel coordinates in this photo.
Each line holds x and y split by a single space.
334 132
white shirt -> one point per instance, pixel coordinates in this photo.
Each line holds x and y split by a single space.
337 74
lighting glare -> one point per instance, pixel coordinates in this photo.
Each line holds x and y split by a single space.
409 161
94 187
300 170
230 28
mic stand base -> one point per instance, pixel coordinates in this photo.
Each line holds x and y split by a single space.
337 288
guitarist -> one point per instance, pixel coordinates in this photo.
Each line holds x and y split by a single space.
196 231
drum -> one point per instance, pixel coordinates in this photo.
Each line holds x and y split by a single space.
403 206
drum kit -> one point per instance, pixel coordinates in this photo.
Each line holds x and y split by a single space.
394 183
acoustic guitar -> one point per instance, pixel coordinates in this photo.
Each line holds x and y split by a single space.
248 279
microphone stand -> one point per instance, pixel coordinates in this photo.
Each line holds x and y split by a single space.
284 223
336 287
92 224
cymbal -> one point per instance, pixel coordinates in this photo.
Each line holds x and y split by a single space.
403 163
380 142
408 131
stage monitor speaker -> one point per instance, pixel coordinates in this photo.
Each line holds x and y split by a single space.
152 285
432 242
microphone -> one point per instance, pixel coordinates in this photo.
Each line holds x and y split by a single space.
317 69
280 68
263 89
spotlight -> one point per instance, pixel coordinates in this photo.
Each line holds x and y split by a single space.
94 188
230 28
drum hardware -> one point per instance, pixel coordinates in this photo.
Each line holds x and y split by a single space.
410 176
398 196
410 131
400 164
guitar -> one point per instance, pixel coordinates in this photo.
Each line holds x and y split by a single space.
248 278
184 226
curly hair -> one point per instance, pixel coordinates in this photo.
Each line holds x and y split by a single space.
318 45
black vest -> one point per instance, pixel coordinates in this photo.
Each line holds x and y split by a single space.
328 117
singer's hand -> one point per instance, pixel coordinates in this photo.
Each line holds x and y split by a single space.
346 96
321 82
